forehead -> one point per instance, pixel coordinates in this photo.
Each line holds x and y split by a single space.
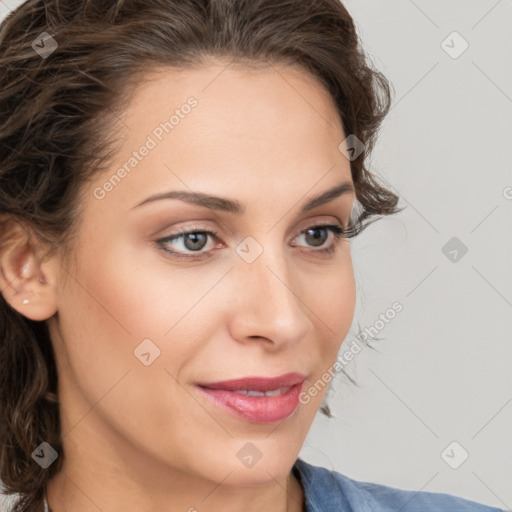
266 96
224 127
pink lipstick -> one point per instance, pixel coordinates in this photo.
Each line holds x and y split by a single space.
257 399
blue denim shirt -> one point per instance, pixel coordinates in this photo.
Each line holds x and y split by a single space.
330 491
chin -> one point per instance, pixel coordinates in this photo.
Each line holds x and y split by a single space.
247 462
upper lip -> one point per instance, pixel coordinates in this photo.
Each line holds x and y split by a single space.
256 383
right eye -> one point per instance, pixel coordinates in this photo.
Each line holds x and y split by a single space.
193 240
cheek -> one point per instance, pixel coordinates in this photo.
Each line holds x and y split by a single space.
119 297
334 299
334 306
105 313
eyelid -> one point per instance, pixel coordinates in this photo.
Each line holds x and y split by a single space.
205 228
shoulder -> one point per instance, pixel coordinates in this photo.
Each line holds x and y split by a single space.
331 491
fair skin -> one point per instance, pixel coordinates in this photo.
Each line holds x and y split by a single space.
141 437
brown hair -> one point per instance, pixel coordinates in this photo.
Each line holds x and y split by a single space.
58 116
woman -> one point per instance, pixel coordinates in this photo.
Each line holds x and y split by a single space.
180 181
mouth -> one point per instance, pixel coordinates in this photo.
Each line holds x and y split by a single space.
256 399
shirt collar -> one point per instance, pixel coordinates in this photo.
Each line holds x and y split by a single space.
322 490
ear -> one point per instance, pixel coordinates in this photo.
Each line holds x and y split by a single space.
26 282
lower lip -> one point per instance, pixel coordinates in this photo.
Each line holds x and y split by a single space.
257 409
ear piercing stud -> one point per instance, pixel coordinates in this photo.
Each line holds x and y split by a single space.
25 301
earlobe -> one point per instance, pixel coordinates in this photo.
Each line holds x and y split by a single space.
26 284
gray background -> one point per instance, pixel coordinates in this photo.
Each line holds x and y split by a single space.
441 371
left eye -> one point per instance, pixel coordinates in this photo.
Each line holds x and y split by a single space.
311 234
195 240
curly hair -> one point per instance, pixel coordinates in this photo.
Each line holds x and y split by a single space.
58 119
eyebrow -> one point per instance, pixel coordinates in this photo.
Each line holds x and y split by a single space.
236 207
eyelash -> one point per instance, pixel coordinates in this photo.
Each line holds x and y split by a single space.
338 232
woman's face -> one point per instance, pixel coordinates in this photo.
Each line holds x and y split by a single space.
142 320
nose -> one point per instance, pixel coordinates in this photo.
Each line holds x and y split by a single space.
269 302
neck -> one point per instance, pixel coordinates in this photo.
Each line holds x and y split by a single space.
62 494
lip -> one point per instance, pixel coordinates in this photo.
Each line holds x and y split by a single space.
256 409
256 383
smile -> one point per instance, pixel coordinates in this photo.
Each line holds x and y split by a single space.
256 399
